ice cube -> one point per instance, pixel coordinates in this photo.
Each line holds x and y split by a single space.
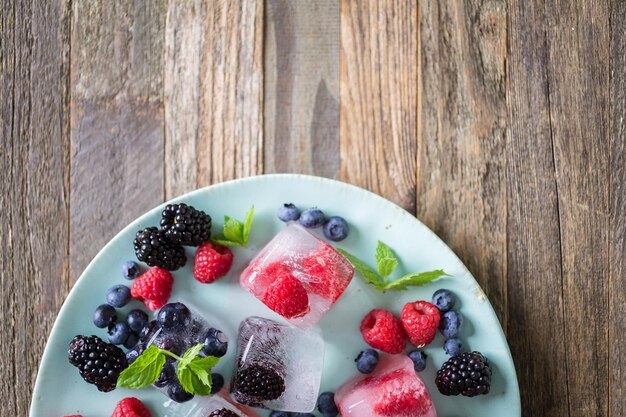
287 358
393 390
204 406
297 256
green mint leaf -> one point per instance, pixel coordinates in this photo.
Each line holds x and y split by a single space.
416 279
247 224
194 372
144 371
233 229
386 260
190 354
192 383
220 239
369 275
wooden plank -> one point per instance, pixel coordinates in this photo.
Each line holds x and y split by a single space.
461 160
213 92
578 72
117 120
378 126
34 150
301 94
617 237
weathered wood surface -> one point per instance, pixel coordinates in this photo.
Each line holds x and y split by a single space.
501 124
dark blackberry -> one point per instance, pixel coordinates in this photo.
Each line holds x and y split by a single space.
185 225
156 249
224 412
468 374
260 383
99 363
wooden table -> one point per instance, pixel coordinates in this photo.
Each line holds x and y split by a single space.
499 124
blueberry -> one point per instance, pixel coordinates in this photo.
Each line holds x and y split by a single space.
130 270
215 343
367 361
444 300
280 414
336 229
104 316
171 343
177 393
174 316
132 340
118 296
451 324
148 331
288 212
167 376
118 333
419 360
136 320
217 383
134 353
312 218
302 415
326 404
453 347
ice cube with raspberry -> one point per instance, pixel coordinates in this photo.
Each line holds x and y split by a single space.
298 276
278 367
393 390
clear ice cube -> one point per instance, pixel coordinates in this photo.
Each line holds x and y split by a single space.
204 406
292 355
321 270
393 390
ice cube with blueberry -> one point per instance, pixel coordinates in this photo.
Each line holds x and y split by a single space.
298 275
278 366
394 389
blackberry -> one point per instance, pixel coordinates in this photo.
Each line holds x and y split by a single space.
185 225
259 382
99 363
156 249
468 374
224 412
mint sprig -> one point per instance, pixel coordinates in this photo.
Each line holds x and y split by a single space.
144 370
386 263
235 233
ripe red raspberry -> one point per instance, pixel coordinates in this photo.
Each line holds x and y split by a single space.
286 295
328 272
131 407
383 331
212 262
398 397
153 288
420 320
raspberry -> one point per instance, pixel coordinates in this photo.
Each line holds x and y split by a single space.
153 288
468 374
287 296
420 320
324 267
131 407
99 363
396 400
382 330
211 262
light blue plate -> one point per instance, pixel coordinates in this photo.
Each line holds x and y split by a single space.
59 390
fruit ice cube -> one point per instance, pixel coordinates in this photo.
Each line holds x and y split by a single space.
277 366
204 406
298 276
393 390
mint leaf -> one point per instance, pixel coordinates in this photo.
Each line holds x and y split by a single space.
416 279
194 372
233 229
247 224
235 233
190 354
144 371
369 275
386 260
192 383
220 239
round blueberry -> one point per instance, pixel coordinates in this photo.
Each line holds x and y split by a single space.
130 270
366 361
174 316
217 383
177 393
312 218
171 343
280 414
288 212
118 333
134 352
136 320
326 404
453 347
167 376
148 331
419 360
132 340
336 229
215 343
444 300
104 316
118 296
451 324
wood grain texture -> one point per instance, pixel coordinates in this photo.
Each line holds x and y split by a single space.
213 93
461 178
379 97
301 104
117 120
34 149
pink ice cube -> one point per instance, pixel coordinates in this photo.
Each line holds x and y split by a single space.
295 254
393 390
